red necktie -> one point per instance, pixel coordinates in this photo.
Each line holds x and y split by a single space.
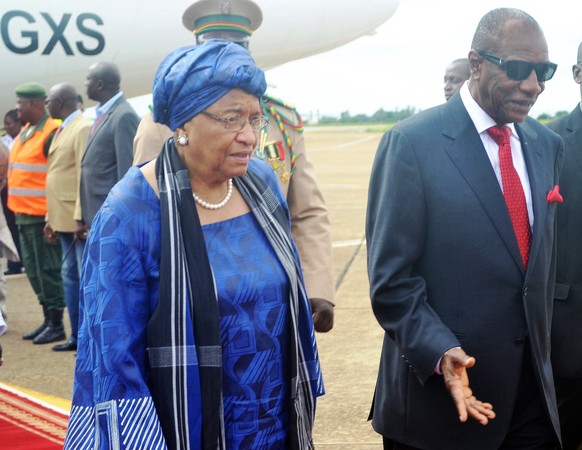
94 126
512 191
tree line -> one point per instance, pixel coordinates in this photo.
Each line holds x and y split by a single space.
383 116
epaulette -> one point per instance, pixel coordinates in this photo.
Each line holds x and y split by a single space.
273 150
282 112
277 101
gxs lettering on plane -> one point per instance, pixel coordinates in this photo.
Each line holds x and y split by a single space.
22 33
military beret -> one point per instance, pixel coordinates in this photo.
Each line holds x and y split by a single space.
30 90
211 15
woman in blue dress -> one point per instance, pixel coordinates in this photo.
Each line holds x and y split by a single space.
195 329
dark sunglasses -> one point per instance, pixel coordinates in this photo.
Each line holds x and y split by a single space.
520 70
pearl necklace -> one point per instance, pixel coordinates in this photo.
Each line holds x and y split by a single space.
218 205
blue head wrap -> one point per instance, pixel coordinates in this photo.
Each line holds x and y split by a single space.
192 78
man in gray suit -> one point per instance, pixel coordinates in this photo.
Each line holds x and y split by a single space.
461 257
109 152
566 329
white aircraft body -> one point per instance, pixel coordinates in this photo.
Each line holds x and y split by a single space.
54 41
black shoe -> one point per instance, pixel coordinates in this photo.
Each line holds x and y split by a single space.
66 347
9 272
51 334
35 333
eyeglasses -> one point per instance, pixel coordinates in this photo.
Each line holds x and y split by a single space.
237 123
520 70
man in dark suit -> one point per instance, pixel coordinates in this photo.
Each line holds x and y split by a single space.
566 329
109 152
460 233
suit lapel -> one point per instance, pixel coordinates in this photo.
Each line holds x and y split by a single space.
65 133
56 141
101 122
92 134
539 184
97 125
574 137
469 156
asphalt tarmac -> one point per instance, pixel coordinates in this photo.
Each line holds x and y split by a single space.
349 353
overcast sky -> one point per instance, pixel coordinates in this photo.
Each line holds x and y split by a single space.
404 63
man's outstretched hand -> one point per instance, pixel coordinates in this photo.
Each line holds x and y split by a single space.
454 365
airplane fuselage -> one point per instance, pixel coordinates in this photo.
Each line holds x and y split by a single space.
51 42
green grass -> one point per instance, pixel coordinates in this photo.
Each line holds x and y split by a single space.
351 127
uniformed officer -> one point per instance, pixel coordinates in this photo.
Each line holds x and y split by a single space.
27 171
283 148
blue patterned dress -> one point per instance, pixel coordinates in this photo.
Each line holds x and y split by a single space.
254 308
112 403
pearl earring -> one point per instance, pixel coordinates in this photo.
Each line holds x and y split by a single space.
183 140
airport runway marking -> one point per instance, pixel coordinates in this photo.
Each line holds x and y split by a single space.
349 243
344 145
358 244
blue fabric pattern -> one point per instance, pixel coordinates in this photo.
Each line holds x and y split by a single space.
119 293
112 405
254 307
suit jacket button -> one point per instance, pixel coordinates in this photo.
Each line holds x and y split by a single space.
525 291
520 342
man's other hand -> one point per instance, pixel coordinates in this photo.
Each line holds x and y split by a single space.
454 365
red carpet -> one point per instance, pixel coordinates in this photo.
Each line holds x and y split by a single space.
29 424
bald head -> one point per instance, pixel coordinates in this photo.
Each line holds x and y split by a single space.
66 92
103 80
62 100
492 32
456 73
